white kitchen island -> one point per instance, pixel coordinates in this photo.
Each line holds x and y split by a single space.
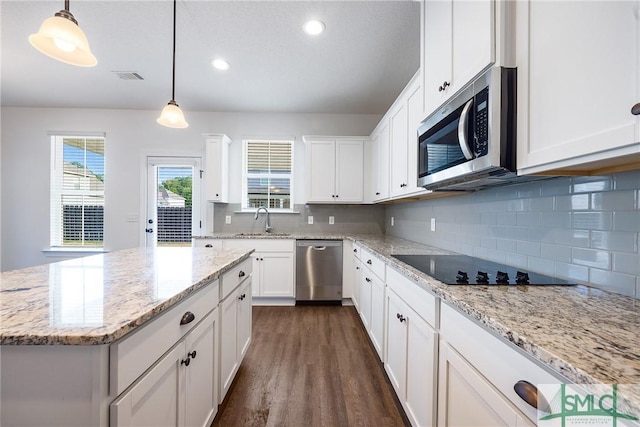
88 342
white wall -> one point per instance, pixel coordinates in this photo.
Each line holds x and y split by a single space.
130 137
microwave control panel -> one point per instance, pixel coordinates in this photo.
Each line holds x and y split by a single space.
481 123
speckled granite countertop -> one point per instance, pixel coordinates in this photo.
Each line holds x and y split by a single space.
588 335
98 299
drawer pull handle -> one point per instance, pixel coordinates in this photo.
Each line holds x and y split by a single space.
208 245
367 279
400 317
192 354
241 274
188 317
185 362
355 251
529 393
242 297
369 262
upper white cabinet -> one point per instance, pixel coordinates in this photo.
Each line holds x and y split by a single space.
335 169
578 79
459 43
379 178
217 168
404 118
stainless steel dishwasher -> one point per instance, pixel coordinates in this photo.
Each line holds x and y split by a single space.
318 271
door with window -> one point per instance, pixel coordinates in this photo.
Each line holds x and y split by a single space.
173 200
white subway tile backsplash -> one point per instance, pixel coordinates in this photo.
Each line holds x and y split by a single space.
573 238
528 219
506 218
576 202
506 245
543 235
555 219
516 260
572 272
555 187
591 220
628 263
626 221
528 248
591 258
544 266
488 243
626 180
555 252
489 218
542 204
614 200
587 184
518 205
614 241
615 282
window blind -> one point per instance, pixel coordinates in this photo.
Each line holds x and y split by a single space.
268 174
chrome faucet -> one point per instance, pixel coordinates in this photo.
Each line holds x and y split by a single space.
267 225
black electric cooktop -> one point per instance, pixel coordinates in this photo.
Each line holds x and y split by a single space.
466 270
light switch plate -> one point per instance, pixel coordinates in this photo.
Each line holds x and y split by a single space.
227 219
332 220
133 217
392 221
433 224
310 220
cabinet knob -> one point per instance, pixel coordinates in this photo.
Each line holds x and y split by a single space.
369 262
188 317
529 393
208 245
355 251
444 86
635 110
367 279
241 274
192 354
217 195
377 193
185 362
400 317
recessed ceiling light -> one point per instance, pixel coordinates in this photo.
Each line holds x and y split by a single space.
313 27
220 64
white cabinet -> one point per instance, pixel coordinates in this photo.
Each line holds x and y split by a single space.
235 323
335 169
576 86
217 168
404 118
412 347
372 301
459 42
273 266
357 276
347 269
180 389
467 399
379 179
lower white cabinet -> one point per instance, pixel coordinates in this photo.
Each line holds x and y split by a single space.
468 399
357 284
235 332
371 299
180 389
376 326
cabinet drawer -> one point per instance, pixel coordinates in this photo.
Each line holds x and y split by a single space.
425 304
202 243
357 250
232 278
502 364
135 353
375 264
262 245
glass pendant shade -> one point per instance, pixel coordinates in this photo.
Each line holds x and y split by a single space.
172 116
61 38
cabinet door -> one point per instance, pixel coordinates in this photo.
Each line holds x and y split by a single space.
201 401
349 171
465 398
365 297
473 35
244 319
157 399
256 279
380 171
321 167
437 52
399 150
228 341
574 109
276 274
217 169
377 315
357 273
396 359
415 115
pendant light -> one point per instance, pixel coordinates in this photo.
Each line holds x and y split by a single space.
172 116
60 37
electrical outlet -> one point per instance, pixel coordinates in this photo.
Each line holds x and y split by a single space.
133 217
227 219
310 220
332 220
392 221
433 224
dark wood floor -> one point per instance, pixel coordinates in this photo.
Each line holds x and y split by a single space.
310 366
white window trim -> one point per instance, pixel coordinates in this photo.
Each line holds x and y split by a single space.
246 175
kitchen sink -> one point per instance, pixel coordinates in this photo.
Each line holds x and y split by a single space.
261 234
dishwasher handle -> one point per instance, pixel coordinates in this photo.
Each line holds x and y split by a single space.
319 243
318 248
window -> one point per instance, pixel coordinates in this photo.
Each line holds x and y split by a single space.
267 180
77 191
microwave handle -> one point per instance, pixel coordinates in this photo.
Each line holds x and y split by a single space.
462 131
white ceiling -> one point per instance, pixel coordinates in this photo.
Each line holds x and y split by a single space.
367 54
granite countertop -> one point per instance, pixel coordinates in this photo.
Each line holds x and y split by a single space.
98 299
588 335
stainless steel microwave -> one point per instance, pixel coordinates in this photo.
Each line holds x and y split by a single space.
470 142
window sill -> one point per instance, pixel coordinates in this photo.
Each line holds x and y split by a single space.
71 252
249 211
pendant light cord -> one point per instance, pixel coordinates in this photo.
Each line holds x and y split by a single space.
173 83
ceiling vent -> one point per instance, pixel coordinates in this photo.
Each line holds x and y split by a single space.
128 75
